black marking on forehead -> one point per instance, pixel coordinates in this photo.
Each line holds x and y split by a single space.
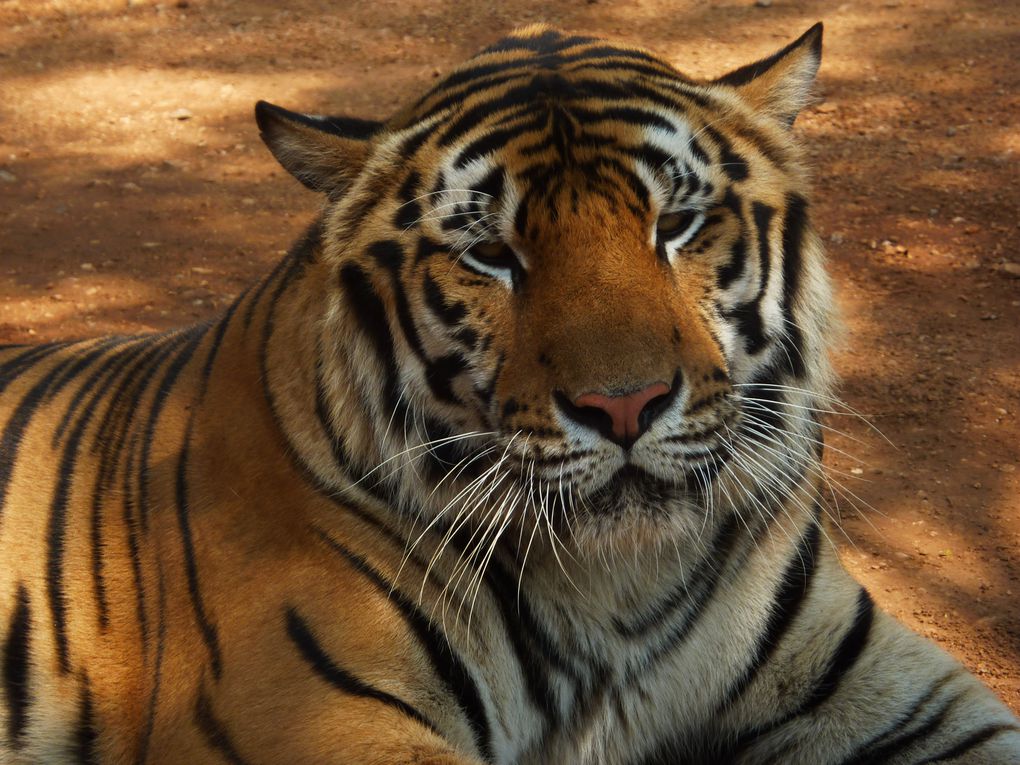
534 93
495 139
654 158
492 185
732 163
548 42
548 141
633 115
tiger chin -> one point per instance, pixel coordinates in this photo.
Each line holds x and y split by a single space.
513 459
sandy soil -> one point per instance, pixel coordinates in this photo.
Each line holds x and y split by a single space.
135 195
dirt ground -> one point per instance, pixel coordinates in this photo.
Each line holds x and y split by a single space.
135 195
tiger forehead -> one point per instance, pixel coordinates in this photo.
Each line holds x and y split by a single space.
537 64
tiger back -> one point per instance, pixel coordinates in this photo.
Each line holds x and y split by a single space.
514 458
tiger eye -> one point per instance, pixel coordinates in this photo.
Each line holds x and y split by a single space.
490 250
675 222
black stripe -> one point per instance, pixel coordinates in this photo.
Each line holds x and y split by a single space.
163 390
974 740
215 734
409 211
20 418
631 115
11 369
726 545
113 434
692 593
207 628
134 552
793 590
748 315
733 165
535 649
842 661
104 477
57 525
256 295
548 42
495 139
732 271
371 318
457 96
107 370
390 255
157 671
862 755
440 373
845 657
902 743
217 341
338 447
303 251
295 270
445 661
85 732
323 666
450 314
762 215
16 664
794 225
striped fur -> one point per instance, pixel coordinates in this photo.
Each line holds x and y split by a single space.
361 517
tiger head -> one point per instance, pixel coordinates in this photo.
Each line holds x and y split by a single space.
571 285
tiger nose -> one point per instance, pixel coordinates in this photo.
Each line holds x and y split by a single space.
630 414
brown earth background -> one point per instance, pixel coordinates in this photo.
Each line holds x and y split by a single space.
135 195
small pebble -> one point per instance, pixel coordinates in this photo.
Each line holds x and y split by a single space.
182 114
8 177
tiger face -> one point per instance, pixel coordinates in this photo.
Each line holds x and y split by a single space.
571 285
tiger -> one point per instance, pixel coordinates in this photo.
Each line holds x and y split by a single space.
514 458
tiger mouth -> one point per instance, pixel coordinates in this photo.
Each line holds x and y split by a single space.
632 482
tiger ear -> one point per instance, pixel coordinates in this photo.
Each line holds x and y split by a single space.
780 85
324 153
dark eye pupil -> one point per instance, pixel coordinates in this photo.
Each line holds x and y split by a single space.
495 253
675 223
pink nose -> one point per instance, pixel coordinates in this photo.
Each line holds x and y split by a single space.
624 411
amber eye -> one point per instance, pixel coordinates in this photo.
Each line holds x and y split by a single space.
496 259
675 223
492 252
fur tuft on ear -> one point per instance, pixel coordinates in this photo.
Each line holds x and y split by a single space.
324 153
780 85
